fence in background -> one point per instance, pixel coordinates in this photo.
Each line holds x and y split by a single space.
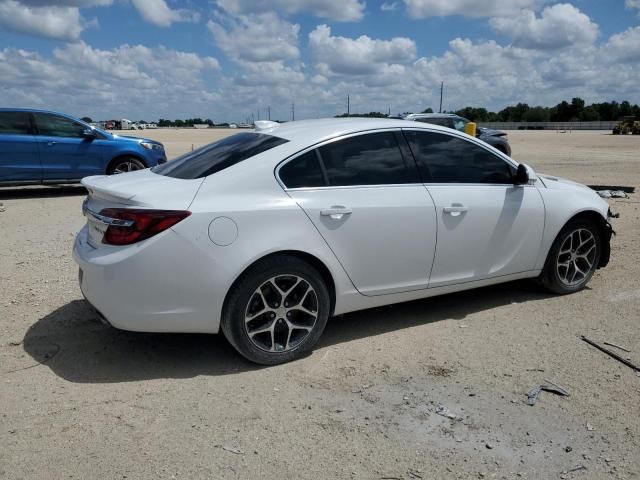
548 125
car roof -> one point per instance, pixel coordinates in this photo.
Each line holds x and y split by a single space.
32 110
325 128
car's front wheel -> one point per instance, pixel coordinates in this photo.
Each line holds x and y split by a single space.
573 258
124 165
276 311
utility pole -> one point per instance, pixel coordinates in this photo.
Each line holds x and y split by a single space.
348 106
441 89
269 113
293 111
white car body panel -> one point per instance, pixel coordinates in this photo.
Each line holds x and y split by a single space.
498 233
177 281
393 224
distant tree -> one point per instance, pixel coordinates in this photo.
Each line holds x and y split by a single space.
178 123
86 119
427 110
536 114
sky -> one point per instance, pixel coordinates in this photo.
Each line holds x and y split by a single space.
236 60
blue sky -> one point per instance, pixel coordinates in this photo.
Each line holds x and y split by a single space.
230 59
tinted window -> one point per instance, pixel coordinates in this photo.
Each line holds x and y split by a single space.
55 126
447 159
218 155
370 159
12 123
443 122
302 172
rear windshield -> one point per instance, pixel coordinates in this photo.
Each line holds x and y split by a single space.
218 155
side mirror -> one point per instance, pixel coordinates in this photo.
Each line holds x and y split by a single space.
522 175
89 133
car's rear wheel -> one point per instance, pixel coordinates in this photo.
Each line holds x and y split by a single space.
124 165
573 258
276 311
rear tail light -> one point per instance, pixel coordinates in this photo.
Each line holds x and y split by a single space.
137 225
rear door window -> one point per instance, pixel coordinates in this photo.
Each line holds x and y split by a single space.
444 158
15 123
368 159
55 126
218 155
303 172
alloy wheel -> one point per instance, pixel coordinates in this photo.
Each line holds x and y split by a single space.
126 166
281 313
576 258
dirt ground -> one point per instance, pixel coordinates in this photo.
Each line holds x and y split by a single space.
82 400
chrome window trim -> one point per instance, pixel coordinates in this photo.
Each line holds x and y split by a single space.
453 133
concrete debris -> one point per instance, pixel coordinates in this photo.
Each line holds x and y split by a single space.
237 451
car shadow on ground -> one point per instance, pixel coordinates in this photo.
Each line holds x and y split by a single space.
14 193
76 346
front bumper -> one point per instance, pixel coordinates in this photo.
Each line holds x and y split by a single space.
162 284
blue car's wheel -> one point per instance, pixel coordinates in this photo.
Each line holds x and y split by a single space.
124 165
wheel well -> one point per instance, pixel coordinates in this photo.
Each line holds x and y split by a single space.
306 257
605 232
120 157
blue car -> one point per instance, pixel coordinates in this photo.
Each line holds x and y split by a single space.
37 146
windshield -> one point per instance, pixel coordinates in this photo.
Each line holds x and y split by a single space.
218 155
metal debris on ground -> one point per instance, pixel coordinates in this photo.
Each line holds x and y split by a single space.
624 349
612 354
237 451
612 194
532 395
444 411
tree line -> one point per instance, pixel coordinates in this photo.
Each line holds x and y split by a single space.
573 111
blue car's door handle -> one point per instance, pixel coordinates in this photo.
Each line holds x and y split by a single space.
50 143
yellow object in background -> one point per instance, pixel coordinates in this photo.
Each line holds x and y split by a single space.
470 129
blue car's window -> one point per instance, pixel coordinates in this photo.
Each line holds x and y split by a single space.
15 123
219 155
55 126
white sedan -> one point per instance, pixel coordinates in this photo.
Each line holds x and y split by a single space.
268 233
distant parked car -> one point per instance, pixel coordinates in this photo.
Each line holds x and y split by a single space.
46 147
495 138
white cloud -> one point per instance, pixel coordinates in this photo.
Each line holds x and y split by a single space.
67 3
558 26
389 6
632 4
59 23
625 46
359 56
467 8
338 10
260 37
159 13
131 80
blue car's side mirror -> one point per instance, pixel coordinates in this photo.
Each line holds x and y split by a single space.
89 133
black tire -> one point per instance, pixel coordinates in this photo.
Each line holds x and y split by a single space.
125 164
554 276
244 301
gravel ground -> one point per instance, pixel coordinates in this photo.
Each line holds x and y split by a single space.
82 400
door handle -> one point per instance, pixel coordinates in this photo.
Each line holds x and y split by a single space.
336 212
455 210
51 143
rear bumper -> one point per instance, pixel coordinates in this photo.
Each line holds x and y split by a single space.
162 284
